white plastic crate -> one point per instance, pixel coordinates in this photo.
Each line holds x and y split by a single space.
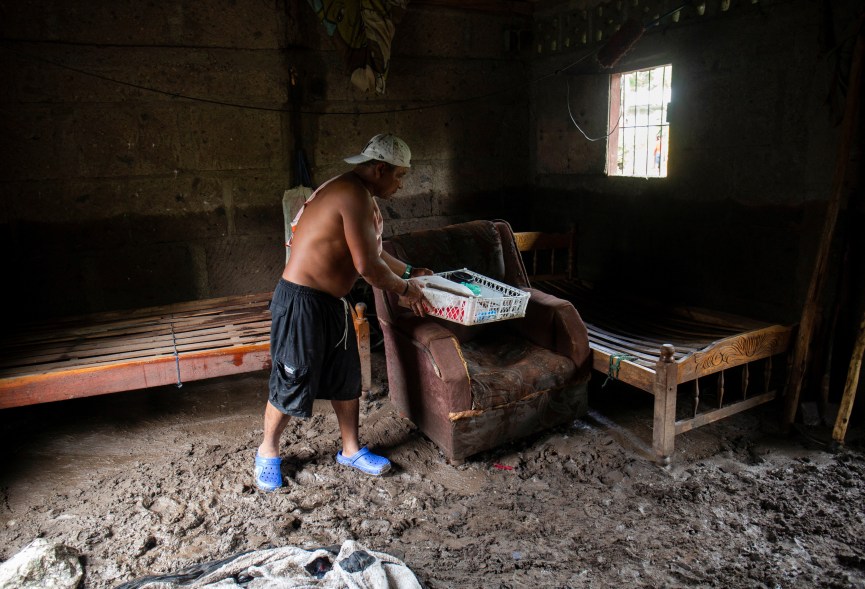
496 301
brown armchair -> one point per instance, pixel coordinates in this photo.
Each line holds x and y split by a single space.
472 388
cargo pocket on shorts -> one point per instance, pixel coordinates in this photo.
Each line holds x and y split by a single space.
291 376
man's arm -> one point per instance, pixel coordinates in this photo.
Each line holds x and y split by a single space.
359 224
356 208
399 267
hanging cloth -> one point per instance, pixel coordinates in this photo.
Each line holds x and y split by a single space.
363 30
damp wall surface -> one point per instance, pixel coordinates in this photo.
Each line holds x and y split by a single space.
754 131
119 191
146 148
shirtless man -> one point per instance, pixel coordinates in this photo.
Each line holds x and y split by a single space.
336 238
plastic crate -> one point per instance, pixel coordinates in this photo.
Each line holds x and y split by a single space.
496 301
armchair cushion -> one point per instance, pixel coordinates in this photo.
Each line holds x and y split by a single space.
555 324
507 368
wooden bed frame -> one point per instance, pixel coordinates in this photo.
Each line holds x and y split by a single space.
663 350
127 350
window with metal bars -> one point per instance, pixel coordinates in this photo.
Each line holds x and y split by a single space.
639 142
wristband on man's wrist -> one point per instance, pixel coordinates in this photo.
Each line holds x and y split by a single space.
405 290
407 273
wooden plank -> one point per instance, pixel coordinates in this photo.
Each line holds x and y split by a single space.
119 336
735 351
124 376
133 350
629 372
99 328
665 390
361 329
809 320
224 348
634 322
129 348
536 240
653 324
644 360
722 321
149 313
708 417
839 432
635 344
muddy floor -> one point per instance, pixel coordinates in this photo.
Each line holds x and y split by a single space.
152 481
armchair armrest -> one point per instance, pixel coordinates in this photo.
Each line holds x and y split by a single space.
439 363
555 324
423 331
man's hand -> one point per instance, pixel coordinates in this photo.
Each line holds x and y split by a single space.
415 272
414 297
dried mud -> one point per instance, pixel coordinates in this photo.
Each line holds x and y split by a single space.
152 481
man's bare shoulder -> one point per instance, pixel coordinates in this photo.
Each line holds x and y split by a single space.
347 191
346 184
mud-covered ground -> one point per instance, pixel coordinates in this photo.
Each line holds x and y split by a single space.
152 481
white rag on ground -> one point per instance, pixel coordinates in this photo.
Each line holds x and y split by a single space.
42 565
351 566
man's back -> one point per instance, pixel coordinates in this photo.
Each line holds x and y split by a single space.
340 213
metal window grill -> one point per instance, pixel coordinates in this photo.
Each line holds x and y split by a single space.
642 140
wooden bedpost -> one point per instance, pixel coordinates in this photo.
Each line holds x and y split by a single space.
361 328
665 389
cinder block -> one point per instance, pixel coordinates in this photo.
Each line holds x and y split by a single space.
243 265
433 80
220 23
260 221
139 276
179 195
264 190
429 31
36 143
398 227
217 139
178 228
406 207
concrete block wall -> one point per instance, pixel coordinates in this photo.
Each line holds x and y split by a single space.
753 143
470 157
119 196
116 196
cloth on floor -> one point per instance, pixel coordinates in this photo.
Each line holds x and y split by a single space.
351 566
42 564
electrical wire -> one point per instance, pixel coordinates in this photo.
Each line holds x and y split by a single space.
573 120
54 63
25 55
179 95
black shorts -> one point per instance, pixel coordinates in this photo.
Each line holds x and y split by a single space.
313 347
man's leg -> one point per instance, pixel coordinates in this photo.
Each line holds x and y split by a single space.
274 424
352 454
347 415
268 474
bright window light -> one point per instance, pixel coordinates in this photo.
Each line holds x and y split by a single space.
640 137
